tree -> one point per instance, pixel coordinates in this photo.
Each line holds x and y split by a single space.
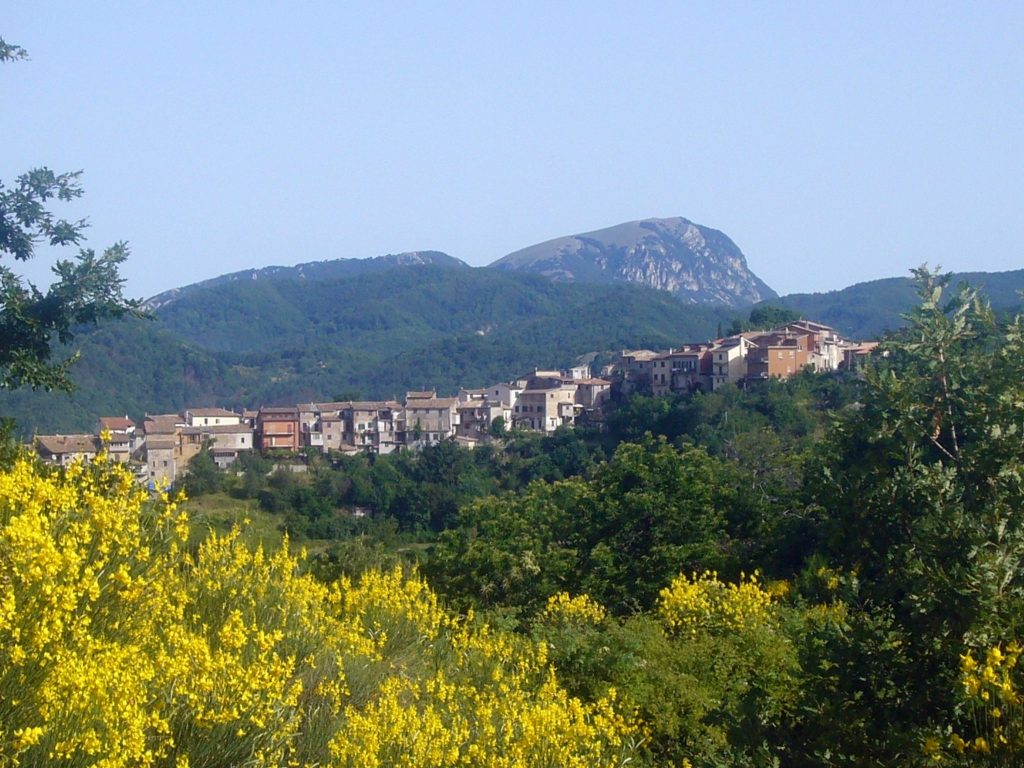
515 550
646 515
656 512
204 476
924 485
87 289
764 317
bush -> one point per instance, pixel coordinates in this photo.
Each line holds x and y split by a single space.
117 649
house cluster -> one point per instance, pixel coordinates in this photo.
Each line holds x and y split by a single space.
161 445
745 357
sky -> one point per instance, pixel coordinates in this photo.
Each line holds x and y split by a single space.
833 142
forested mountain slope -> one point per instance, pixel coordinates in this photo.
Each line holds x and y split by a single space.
867 310
287 339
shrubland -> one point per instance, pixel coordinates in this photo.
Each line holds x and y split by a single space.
117 647
813 572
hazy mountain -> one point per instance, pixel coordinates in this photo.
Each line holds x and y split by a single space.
697 264
867 310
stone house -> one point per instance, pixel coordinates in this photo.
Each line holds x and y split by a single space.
428 420
61 450
160 454
545 410
372 425
121 434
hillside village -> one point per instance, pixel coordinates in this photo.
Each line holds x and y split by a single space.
161 446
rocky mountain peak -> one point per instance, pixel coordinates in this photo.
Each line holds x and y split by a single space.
697 263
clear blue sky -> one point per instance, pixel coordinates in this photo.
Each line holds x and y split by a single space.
833 142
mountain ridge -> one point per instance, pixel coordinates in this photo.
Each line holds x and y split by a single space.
314 270
868 309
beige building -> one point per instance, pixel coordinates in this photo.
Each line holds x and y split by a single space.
633 370
161 460
691 367
313 417
372 425
476 417
330 429
728 361
660 373
545 410
592 393
505 395
225 441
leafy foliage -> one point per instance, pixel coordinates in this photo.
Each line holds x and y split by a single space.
764 317
924 485
645 515
822 571
34 324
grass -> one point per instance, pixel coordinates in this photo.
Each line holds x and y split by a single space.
221 513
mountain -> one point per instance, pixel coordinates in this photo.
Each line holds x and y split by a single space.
315 271
696 263
286 338
867 310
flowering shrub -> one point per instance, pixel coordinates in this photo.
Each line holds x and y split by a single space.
692 603
995 715
582 609
118 649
